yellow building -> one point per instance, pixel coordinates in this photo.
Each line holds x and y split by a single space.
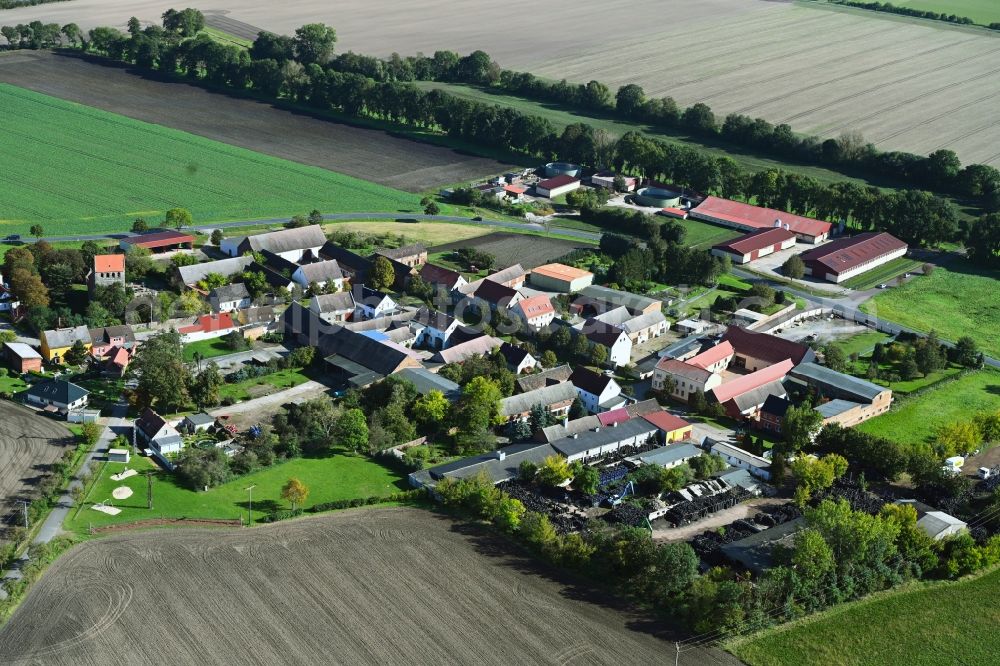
57 342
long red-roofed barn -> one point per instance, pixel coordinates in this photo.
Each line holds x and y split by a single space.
751 218
846 257
755 245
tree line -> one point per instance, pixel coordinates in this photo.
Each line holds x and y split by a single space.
303 69
911 11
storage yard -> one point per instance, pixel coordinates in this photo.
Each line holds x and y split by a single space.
906 85
387 586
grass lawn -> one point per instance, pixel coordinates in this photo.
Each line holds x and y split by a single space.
208 348
703 234
954 301
884 273
331 478
914 420
983 12
561 116
862 343
923 625
73 168
427 233
225 38
12 384
282 379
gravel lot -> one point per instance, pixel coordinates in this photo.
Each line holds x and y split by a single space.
907 85
364 153
29 443
376 586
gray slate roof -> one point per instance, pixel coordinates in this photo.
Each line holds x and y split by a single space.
556 374
426 381
607 435
843 386
226 267
398 253
666 455
498 470
341 301
65 337
617 298
229 292
547 395
288 239
322 271
58 391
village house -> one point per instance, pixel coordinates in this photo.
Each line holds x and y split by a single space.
618 343
57 395
460 353
596 299
681 380
107 338
601 441
296 245
554 375
737 457
229 297
556 399
333 308
535 311
851 400
370 303
598 392
560 277
518 359
434 328
152 431
442 278
639 328
56 342
207 327
672 428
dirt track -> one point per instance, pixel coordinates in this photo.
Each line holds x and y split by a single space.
364 153
376 586
29 443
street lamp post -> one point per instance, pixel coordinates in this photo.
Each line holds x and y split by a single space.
250 505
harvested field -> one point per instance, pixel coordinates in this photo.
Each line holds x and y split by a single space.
368 154
427 233
29 443
378 586
510 249
907 85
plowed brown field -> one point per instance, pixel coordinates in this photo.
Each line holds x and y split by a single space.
382 586
29 444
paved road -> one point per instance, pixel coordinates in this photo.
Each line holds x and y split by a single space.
115 425
499 224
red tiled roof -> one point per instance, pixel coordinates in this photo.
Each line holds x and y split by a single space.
754 380
764 346
515 189
844 254
109 263
159 239
756 217
712 355
675 212
535 306
557 181
666 421
756 240
619 415
208 323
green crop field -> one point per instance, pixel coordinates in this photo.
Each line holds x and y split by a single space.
75 169
954 301
925 625
914 420
983 12
560 117
330 478
885 273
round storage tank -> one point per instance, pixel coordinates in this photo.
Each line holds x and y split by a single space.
657 197
553 169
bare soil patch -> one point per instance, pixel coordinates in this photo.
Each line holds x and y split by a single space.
29 444
377 586
370 154
509 249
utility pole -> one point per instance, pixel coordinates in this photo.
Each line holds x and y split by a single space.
149 490
250 506
133 438
24 507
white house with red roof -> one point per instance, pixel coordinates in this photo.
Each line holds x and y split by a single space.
207 327
683 379
536 311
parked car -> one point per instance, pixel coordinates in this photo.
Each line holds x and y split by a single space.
985 472
883 286
13 237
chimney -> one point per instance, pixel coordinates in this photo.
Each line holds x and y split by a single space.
777 223
787 228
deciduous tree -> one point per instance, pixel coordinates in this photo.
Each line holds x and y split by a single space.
295 492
